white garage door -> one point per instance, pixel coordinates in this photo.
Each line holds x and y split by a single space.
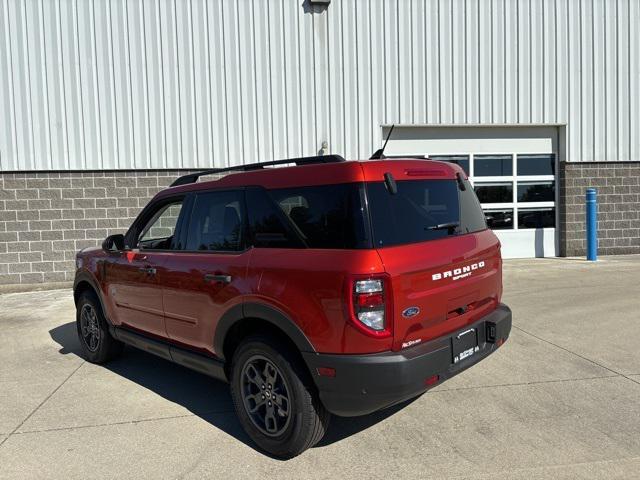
513 170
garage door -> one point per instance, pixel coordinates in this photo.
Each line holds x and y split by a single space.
513 170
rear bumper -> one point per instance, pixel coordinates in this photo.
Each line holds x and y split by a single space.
366 383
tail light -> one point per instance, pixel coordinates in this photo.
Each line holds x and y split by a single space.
370 302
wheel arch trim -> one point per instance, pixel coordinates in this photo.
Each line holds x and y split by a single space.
268 313
86 277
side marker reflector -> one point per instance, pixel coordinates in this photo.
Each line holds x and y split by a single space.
432 380
326 371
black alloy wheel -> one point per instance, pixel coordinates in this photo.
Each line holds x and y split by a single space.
265 396
90 327
94 336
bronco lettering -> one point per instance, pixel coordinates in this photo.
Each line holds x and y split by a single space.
458 273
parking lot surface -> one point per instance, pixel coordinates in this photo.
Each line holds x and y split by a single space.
561 399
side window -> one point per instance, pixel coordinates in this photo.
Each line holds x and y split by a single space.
266 223
216 222
158 233
326 216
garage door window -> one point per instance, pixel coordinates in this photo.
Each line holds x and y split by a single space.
461 160
536 191
536 165
499 219
498 192
536 217
492 165
516 191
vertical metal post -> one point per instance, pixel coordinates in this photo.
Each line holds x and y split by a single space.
592 225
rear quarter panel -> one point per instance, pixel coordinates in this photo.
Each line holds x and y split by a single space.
308 285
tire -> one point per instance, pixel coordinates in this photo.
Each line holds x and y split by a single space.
296 422
96 341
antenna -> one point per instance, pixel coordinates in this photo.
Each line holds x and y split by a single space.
380 153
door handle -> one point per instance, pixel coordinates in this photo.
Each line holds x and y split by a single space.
217 278
147 270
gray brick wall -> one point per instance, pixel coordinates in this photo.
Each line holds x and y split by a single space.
45 218
618 187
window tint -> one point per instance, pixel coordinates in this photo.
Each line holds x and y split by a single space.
536 165
216 222
327 216
267 224
492 165
159 230
422 210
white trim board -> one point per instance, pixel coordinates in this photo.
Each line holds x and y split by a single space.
440 140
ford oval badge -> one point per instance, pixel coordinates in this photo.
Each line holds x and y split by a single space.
410 312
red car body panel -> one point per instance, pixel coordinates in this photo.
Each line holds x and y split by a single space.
411 268
310 286
192 305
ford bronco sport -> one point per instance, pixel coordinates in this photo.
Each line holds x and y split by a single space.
326 287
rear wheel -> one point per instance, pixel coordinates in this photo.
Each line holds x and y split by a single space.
274 398
93 331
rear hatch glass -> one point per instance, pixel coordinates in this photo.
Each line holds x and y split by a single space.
422 210
437 268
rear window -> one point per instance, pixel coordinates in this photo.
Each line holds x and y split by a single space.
326 216
422 210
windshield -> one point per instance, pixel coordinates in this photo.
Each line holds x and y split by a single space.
422 210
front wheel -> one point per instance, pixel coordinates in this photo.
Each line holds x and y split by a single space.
274 398
93 331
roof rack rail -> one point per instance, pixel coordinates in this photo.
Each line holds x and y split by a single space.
193 177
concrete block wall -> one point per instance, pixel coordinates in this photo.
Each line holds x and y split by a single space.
618 191
45 218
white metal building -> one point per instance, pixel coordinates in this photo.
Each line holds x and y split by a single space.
97 85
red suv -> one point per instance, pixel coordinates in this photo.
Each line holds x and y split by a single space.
327 287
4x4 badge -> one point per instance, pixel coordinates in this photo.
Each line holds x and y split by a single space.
410 312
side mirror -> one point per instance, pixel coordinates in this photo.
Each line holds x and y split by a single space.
113 243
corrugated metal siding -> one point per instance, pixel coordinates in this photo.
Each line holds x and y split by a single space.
115 84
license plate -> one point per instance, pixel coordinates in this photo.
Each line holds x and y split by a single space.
464 344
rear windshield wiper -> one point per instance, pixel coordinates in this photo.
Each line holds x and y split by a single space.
444 226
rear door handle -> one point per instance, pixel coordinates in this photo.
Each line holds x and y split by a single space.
147 270
217 278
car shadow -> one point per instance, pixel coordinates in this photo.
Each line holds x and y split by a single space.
203 396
